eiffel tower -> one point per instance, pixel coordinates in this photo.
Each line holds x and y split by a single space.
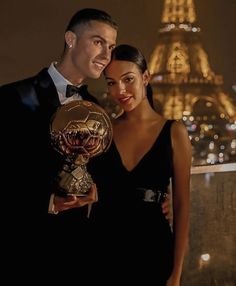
186 88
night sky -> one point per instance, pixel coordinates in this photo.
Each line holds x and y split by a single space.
31 33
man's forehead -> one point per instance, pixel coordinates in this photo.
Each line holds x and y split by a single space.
99 29
96 26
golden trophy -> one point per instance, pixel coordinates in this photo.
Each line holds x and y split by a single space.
79 131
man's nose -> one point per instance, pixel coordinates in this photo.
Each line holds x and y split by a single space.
106 53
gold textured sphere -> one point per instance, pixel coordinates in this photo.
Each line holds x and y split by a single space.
81 129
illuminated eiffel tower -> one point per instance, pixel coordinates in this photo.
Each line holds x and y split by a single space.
186 88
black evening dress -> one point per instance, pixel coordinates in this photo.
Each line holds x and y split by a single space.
129 210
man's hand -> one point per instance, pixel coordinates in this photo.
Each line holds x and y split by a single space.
69 202
167 209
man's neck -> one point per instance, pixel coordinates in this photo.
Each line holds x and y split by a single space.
69 73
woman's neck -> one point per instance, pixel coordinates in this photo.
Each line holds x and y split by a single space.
142 112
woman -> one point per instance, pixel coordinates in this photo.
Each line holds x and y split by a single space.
147 153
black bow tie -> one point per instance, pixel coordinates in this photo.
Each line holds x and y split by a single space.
72 89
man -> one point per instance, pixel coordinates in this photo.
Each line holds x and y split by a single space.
31 164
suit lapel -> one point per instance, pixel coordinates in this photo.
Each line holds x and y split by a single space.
47 93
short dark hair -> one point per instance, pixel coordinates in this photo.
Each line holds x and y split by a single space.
84 16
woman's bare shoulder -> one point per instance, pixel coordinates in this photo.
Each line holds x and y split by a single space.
179 136
179 129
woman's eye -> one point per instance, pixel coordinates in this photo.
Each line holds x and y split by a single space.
110 83
129 79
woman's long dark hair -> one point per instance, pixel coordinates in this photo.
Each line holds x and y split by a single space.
131 54
150 95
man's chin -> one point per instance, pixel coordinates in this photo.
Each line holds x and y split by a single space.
95 75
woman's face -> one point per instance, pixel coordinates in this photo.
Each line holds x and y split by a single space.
126 84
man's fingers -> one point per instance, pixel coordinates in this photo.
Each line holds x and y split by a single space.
91 197
65 203
165 206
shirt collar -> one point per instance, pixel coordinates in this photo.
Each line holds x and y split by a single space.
60 82
58 79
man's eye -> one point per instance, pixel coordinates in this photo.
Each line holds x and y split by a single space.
98 42
112 47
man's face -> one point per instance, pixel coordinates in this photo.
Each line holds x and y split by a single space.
92 47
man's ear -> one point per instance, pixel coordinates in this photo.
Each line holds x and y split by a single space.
146 77
70 38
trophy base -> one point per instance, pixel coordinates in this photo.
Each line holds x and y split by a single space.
75 183
62 193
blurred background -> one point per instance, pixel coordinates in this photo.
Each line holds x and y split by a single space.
31 33
32 36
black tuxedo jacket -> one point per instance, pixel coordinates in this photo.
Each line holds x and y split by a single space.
29 162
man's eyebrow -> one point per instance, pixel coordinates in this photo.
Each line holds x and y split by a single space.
100 37
103 39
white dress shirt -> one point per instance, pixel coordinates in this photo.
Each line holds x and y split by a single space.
61 84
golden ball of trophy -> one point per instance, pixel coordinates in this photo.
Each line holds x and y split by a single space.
79 130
